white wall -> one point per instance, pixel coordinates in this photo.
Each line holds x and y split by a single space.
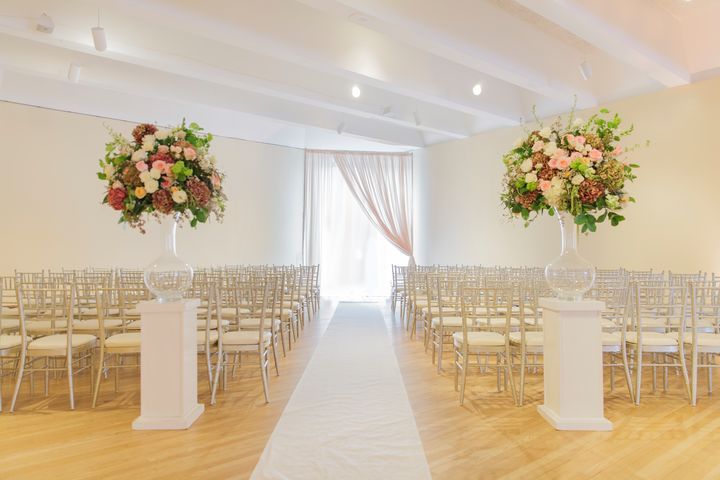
674 225
52 216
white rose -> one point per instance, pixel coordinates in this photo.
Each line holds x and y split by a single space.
148 143
155 173
145 176
527 165
578 179
180 134
117 184
162 134
151 185
530 178
550 148
518 143
139 155
179 196
109 170
205 164
545 132
612 201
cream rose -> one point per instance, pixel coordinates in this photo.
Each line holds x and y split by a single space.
179 196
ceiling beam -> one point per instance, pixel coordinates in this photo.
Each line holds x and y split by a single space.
69 40
619 43
406 29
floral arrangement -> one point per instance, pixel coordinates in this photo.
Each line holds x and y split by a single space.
574 168
162 172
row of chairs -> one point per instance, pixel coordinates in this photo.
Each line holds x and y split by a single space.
67 322
665 321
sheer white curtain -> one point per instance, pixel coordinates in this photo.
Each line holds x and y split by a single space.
344 233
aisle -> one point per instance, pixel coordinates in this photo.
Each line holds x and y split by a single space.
349 417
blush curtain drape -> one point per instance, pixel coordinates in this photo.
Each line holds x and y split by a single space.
380 182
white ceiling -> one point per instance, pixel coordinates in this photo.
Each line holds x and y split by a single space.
281 71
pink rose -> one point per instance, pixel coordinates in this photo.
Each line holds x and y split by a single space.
141 166
575 155
580 140
159 165
544 185
563 163
168 168
215 179
553 163
538 145
559 153
163 149
570 139
618 150
167 183
190 153
595 154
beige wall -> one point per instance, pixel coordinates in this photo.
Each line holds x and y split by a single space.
52 215
675 224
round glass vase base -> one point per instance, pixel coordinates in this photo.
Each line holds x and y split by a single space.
569 276
168 285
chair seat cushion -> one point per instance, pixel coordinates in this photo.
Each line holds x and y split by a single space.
447 311
44 325
213 337
245 337
232 312
10 341
704 339
255 322
213 324
611 339
10 311
123 340
450 322
480 339
10 323
607 324
652 339
93 324
533 339
53 342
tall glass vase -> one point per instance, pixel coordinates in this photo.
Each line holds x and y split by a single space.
570 276
168 277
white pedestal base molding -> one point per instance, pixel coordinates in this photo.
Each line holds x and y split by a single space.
573 372
168 366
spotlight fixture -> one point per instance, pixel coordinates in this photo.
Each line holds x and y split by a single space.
341 128
585 70
98 34
387 110
74 73
477 89
45 24
355 91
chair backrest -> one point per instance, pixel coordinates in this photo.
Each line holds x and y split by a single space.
480 305
51 304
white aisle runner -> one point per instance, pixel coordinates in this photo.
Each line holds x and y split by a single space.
349 417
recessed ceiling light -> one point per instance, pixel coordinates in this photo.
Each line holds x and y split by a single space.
477 89
74 73
355 91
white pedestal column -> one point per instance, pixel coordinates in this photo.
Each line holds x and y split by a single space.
168 371
573 370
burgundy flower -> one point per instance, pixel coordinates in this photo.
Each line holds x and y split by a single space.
164 156
116 198
199 191
143 129
590 190
162 201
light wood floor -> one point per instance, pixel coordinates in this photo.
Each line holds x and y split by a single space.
485 439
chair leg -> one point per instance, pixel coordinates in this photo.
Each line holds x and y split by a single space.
208 365
220 366
275 359
441 334
628 378
694 372
638 374
683 366
18 381
463 377
101 365
70 380
263 373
